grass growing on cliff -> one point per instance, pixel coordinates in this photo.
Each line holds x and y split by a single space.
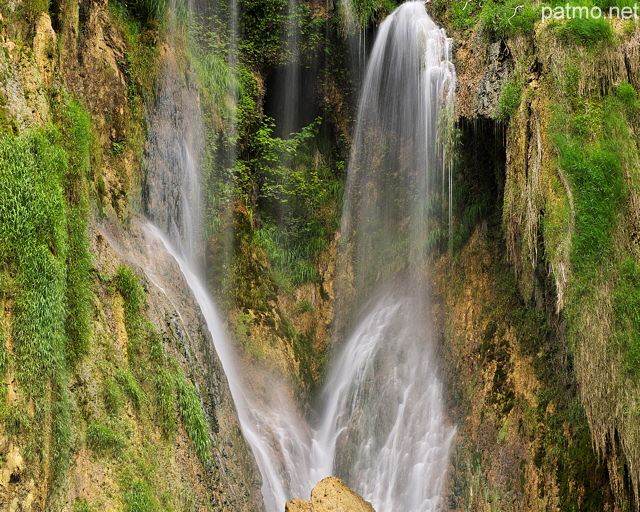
77 139
505 19
33 248
104 439
167 415
586 31
510 97
627 310
368 11
498 19
171 394
596 149
194 419
140 498
35 237
134 301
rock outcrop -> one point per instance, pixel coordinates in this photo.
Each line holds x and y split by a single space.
331 494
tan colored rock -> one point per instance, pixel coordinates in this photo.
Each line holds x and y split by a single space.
13 466
44 48
331 494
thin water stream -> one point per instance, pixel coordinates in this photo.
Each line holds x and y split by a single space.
382 425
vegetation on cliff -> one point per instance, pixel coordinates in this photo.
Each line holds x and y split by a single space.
562 100
99 378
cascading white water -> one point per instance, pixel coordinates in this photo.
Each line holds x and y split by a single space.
383 425
277 434
383 428
175 145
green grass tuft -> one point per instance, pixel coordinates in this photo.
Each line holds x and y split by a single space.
166 402
627 310
113 396
78 140
33 245
586 31
503 20
103 439
510 98
82 505
194 420
131 388
140 498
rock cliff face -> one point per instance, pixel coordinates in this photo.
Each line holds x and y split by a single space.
551 375
142 419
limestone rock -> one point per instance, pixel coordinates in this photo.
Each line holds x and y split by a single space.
44 48
331 494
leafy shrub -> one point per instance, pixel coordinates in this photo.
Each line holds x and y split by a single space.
510 98
293 197
509 19
262 24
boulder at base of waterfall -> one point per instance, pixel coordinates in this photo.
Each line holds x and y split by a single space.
330 495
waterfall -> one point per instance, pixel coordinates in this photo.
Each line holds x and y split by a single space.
174 148
278 435
276 431
383 425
